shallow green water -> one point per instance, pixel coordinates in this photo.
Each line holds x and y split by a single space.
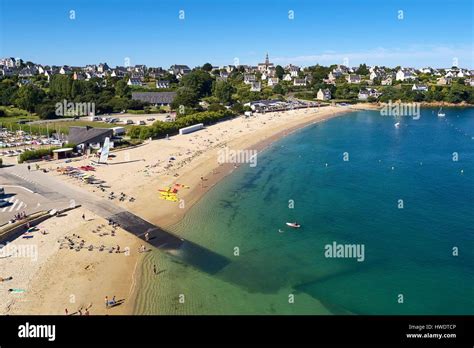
407 251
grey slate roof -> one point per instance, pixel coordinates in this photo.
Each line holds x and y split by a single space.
154 97
88 135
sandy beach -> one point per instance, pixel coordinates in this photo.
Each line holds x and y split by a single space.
62 278
140 172
49 277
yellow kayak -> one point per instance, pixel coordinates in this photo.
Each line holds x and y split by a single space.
169 198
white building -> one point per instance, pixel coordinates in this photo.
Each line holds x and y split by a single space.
323 94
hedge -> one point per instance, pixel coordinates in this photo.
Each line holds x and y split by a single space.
160 128
36 154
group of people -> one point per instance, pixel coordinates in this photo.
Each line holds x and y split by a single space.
18 217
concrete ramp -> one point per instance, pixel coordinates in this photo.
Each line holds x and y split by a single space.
185 251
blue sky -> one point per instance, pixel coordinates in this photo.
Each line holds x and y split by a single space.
431 33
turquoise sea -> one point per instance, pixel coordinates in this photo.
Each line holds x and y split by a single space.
407 251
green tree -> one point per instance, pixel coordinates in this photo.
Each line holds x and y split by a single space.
121 88
199 81
185 96
362 70
207 67
279 71
223 91
28 97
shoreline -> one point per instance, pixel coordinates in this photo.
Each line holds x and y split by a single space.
225 170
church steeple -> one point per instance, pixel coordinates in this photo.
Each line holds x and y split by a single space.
267 61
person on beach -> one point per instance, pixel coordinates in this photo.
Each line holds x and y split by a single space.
83 216
154 269
147 236
29 167
106 302
65 310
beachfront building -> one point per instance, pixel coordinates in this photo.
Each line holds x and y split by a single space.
365 94
323 94
155 98
267 105
287 77
88 136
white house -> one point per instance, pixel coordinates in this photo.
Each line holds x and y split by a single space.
403 75
299 82
65 70
469 82
133 81
273 81
419 88
443 81
364 94
323 94
293 70
387 81
249 78
353 78
162 84
287 77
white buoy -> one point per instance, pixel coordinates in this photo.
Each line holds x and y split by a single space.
462 171
326 164
393 168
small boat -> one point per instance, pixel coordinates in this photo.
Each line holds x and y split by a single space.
293 224
441 113
397 125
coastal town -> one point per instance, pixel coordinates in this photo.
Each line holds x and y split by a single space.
101 161
142 102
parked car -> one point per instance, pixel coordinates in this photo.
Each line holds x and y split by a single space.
130 122
142 123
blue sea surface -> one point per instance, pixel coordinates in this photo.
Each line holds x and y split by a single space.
400 193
